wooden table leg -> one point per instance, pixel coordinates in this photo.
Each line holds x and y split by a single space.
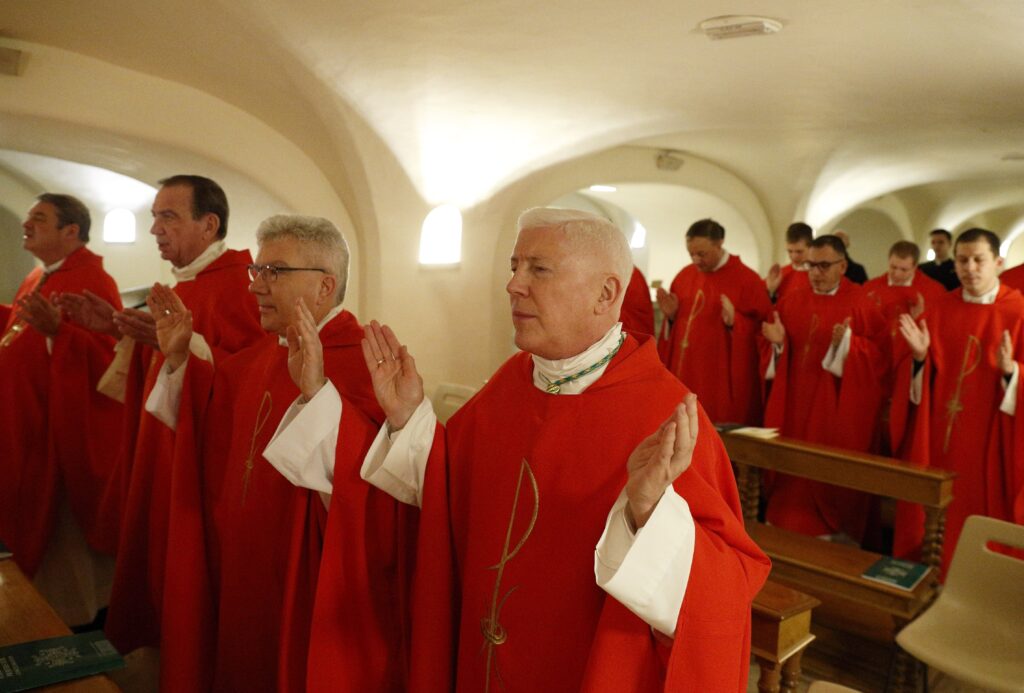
791 673
771 673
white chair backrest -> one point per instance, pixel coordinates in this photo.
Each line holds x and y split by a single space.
449 397
980 578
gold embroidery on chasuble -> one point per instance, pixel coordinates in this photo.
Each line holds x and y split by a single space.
810 336
971 360
262 414
698 305
494 633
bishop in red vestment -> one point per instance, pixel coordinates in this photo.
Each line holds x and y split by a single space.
637 310
713 318
49 369
783 280
830 364
518 488
964 413
240 615
190 222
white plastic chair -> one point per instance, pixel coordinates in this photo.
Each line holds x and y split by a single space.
974 631
449 397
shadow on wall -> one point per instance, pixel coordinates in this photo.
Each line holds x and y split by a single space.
15 262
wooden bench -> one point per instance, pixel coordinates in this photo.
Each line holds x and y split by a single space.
832 572
779 633
25 615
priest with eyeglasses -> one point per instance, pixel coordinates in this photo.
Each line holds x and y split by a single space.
580 527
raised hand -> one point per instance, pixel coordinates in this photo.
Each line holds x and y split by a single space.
173 324
1005 355
668 302
774 331
396 383
89 311
659 460
838 330
774 279
305 352
917 336
39 312
728 311
137 324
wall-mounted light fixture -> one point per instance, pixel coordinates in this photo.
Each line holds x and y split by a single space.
441 236
669 160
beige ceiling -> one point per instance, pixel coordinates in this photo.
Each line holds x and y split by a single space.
851 100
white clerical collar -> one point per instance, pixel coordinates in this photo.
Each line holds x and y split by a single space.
985 299
721 263
283 341
205 259
909 282
832 292
50 269
546 371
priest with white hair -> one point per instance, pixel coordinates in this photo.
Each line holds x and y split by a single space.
580 527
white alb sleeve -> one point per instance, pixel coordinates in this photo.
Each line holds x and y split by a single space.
304 445
835 357
164 400
198 346
916 383
397 465
1009 403
648 571
777 350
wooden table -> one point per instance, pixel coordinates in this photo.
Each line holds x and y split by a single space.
25 615
780 630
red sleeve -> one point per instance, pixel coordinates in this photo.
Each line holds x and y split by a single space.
637 310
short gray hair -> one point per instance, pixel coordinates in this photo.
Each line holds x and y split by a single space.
330 248
585 231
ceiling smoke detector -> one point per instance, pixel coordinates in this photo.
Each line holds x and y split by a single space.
669 160
738 26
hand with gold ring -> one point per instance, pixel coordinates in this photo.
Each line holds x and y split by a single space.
396 383
173 324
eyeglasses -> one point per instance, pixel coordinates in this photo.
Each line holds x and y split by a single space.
820 266
269 273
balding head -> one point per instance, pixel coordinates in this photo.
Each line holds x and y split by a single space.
570 270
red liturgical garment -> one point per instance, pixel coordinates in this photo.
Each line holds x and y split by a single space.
225 314
957 425
1014 278
40 462
718 363
792 279
516 496
637 314
810 403
255 539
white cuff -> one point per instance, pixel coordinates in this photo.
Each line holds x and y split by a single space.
835 357
304 445
916 383
777 350
165 399
648 572
1009 403
198 346
49 346
398 466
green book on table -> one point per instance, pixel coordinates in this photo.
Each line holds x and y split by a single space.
896 572
38 663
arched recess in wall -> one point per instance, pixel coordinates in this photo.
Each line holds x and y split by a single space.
628 164
872 232
148 128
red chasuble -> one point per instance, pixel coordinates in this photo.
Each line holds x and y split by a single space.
40 463
719 363
958 425
225 313
254 539
809 403
792 279
894 301
1013 277
516 496
637 314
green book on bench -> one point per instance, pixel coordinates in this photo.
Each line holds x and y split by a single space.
899 573
38 663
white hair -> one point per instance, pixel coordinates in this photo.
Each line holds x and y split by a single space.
329 247
587 233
